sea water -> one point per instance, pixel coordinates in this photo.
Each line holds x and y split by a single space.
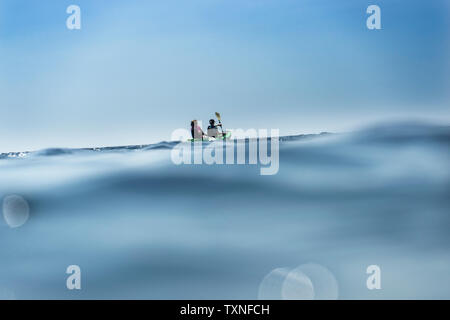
140 226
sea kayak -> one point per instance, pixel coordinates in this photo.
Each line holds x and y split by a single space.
226 136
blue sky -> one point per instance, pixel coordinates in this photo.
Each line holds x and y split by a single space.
137 70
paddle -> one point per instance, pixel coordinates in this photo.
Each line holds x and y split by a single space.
218 118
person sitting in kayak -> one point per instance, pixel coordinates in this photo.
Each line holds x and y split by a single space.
196 130
213 130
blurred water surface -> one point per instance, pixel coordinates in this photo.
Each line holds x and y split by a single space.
141 227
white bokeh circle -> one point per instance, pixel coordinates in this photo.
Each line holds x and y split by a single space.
270 287
297 286
306 282
16 210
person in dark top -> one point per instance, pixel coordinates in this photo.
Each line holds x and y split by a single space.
212 129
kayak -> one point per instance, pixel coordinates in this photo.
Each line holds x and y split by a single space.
226 136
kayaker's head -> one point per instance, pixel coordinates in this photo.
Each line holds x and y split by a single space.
211 122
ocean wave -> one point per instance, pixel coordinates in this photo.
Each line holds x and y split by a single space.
389 133
348 200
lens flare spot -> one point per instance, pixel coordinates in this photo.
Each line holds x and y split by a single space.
16 210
